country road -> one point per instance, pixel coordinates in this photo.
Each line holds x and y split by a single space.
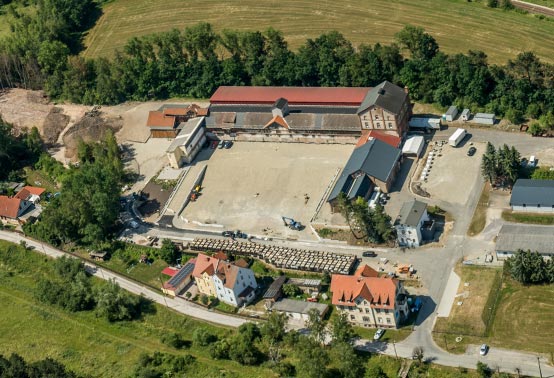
505 360
178 304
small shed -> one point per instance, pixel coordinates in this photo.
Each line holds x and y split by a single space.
466 115
425 123
180 280
413 146
484 118
299 310
275 290
451 114
98 256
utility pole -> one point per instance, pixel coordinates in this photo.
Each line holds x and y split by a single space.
539 362
163 293
394 346
445 343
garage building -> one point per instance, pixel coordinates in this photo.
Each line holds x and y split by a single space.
298 310
533 196
484 118
413 146
513 237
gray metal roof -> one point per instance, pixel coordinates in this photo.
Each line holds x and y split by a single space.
533 193
275 287
299 307
411 213
375 158
452 110
484 116
513 237
387 96
186 135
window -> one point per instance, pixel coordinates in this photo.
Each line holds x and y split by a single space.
379 320
386 311
378 124
378 310
388 320
366 124
367 310
376 116
365 319
390 125
352 317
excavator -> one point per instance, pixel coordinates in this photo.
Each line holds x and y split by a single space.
292 224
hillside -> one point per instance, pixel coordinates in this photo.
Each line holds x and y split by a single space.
457 25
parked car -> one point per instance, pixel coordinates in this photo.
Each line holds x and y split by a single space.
484 349
239 234
532 162
471 151
221 144
369 254
228 144
227 234
378 334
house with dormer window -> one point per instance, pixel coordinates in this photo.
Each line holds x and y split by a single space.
369 300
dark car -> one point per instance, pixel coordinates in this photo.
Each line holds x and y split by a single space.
227 233
369 254
471 151
228 144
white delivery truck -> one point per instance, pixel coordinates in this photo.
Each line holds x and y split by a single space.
457 137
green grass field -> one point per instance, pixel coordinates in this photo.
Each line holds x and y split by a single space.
457 25
87 344
524 317
530 218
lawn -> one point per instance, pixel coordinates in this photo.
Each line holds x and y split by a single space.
468 318
85 343
449 21
524 317
480 215
390 335
530 218
38 178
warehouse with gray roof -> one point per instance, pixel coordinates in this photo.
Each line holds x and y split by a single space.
374 164
514 237
533 196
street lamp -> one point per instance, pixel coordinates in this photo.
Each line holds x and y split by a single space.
539 362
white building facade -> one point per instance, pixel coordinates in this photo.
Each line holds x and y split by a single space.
234 285
409 223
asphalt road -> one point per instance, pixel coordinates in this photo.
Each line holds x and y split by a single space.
178 304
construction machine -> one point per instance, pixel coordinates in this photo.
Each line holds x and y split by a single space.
292 224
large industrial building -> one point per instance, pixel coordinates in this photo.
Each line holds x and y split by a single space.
307 114
534 196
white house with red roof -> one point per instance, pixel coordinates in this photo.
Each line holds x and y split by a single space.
369 300
11 208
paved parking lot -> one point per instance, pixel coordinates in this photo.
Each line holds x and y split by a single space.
453 174
251 185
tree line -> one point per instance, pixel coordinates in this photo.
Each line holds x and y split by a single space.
17 150
16 366
193 62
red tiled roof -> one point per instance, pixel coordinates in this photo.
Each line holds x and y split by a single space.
9 206
221 256
380 292
176 111
278 120
366 271
158 119
392 140
294 95
202 112
35 190
170 271
23 194
204 264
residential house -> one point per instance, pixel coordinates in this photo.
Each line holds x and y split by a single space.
369 300
31 194
167 120
409 222
232 283
11 208
275 290
375 163
513 237
533 196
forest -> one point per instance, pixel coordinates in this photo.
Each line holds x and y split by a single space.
43 53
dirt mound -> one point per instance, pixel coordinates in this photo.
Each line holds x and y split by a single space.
92 127
24 109
53 125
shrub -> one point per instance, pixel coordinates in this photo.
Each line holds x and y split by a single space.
202 337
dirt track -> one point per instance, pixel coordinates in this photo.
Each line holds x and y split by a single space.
533 8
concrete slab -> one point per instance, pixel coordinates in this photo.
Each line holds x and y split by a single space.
449 295
250 186
169 173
